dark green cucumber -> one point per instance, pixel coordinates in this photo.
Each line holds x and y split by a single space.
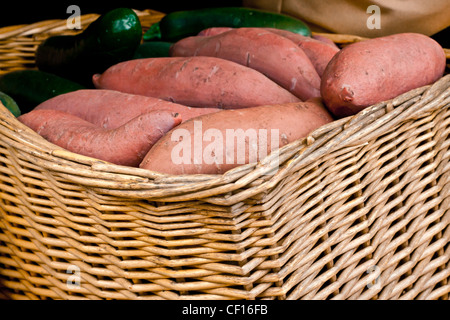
153 49
111 38
29 88
10 104
180 24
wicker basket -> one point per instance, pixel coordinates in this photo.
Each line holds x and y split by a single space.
358 210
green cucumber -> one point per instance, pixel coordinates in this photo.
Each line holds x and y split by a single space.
10 104
153 49
112 38
29 88
180 24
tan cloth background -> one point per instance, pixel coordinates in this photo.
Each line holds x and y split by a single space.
350 17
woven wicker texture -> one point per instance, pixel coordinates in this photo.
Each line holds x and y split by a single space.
358 210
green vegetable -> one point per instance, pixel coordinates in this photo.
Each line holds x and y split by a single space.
10 104
152 49
29 88
177 25
154 32
110 39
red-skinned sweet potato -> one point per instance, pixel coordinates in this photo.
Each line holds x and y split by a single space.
319 51
368 72
217 142
126 145
217 30
325 39
213 31
271 54
111 109
194 81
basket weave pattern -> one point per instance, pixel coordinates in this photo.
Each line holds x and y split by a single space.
358 210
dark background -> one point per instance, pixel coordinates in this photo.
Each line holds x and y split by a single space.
19 12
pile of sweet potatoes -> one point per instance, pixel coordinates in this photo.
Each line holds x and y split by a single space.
230 96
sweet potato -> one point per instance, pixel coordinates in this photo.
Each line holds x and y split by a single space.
111 109
126 145
367 72
319 107
325 39
271 54
216 142
318 51
214 31
194 81
217 30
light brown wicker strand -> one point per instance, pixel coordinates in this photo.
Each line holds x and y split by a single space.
438 221
402 230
